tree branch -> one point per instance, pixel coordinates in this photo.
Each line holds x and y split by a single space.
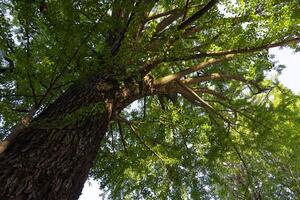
118 117
218 76
186 7
248 172
112 137
208 91
20 110
23 123
122 136
231 51
11 65
194 95
198 14
169 12
246 50
28 61
145 107
182 73
228 54
117 44
168 21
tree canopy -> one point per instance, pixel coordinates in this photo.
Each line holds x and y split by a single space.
209 124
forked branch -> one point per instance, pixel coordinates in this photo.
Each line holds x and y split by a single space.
182 73
227 55
195 96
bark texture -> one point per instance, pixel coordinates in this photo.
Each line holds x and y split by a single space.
49 161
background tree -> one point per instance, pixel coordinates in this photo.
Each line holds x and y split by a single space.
208 124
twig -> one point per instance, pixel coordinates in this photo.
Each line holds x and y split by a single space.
134 131
145 107
28 66
112 137
122 136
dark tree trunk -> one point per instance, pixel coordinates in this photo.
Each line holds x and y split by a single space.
50 161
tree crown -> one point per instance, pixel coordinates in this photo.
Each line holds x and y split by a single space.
209 124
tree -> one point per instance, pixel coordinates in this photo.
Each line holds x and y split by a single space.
220 129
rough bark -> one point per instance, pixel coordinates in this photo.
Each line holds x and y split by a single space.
51 160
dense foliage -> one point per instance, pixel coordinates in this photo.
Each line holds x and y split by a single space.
230 133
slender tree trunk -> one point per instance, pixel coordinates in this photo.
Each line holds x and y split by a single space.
50 159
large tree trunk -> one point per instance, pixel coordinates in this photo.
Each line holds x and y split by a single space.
51 160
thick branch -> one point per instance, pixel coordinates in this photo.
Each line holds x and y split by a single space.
228 54
150 65
116 45
218 76
168 21
178 75
195 96
198 14
17 129
169 12
186 7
